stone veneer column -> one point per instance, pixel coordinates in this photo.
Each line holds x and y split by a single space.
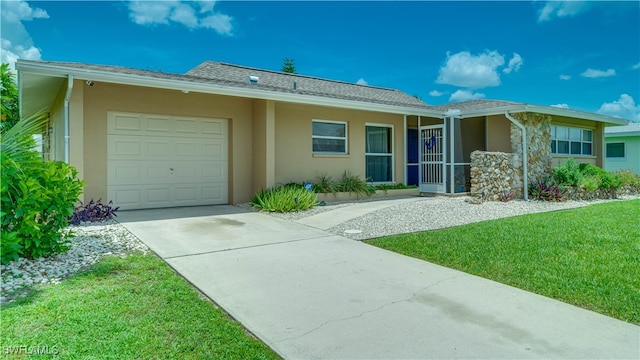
538 148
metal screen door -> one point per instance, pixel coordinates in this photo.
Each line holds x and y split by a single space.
432 147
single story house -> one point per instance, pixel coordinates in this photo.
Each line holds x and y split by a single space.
623 148
221 132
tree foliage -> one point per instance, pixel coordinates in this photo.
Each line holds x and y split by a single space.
8 99
288 66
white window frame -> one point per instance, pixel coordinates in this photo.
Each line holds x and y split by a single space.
554 150
345 138
624 150
392 154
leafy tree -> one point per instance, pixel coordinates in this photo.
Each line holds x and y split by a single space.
288 66
8 99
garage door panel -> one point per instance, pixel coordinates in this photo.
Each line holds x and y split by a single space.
163 161
215 150
158 196
187 193
186 127
215 171
215 193
159 125
214 129
158 148
127 123
126 198
125 147
134 172
187 171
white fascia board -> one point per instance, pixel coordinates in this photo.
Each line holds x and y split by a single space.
185 85
621 134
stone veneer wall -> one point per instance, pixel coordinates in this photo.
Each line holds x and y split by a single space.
492 175
495 175
538 147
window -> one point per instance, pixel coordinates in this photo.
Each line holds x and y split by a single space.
571 141
379 153
615 150
329 137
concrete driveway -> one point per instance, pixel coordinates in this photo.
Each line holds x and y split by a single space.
309 294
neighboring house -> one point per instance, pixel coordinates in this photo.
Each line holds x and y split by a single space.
221 132
623 148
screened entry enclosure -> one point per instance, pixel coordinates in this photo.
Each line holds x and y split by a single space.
439 152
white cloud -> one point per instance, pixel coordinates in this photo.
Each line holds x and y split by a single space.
218 22
565 77
436 93
594 73
193 15
362 81
560 9
636 66
514 64
16 43
465 95
625 107
471 71
562 106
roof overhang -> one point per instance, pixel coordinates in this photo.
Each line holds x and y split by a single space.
42 81
622 134
549 110
35 75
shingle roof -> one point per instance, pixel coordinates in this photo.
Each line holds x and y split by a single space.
305 85
217 73
475 105
633 127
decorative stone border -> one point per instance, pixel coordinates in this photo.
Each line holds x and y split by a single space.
342 196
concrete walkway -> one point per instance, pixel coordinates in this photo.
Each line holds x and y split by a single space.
329 219
309 294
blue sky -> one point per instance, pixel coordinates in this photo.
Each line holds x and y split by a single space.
580 55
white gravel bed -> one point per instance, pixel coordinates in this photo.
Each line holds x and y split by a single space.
442 212
91 242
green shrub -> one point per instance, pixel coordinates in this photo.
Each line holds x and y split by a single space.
606 179
628 178
590 182
37 197
285 198
355 184
325 184
568 173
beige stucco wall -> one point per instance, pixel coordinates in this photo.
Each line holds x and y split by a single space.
294 156
101 98
498 134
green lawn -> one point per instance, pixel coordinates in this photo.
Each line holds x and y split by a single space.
133 308
589 257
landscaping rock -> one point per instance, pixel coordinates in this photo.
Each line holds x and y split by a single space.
90 243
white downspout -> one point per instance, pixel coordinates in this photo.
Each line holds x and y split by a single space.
525 172
67 96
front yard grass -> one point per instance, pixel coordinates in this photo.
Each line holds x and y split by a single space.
131 308
588 257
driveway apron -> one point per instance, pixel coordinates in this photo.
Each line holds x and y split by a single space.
310 294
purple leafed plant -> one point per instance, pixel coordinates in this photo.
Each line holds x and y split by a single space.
546 191
93 211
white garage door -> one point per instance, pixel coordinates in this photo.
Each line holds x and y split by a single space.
164 161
